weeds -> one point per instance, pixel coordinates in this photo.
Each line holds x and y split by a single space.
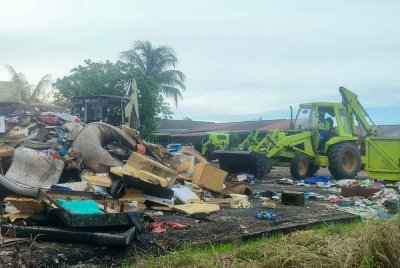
361 244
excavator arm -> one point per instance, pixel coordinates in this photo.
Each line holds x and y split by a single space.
353 106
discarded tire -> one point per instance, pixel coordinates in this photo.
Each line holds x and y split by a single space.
344 160
299 167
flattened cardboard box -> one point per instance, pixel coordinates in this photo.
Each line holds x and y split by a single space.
209 177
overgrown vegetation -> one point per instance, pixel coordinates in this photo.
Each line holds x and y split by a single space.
362 244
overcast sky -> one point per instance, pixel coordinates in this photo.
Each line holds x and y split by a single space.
243 59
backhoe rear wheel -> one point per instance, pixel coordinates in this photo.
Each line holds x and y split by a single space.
299 167
344 160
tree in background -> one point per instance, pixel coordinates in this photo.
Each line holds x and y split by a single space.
93 78
156 62
30 92
97 78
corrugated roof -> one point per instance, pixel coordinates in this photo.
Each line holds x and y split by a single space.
383 130
244 126
285 123
170 125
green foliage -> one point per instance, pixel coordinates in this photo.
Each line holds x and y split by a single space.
97 78
151 105
157 62
93 78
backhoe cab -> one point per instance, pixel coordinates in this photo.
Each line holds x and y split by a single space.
322 133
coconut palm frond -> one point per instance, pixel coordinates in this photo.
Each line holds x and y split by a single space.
41 87
156 62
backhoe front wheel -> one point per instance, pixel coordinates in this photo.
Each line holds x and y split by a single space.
299 167
344 160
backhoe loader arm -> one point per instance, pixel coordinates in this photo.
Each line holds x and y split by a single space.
353 106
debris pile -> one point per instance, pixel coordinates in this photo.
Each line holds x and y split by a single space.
60 176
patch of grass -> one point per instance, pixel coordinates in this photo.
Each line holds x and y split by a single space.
359 244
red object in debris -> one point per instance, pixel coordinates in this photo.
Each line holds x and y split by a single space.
141 149
161 227
49 120
56 155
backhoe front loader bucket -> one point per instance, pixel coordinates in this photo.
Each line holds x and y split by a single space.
244 162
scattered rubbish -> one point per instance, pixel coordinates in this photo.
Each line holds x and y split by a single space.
185 195
243 229
292 198
240 201
276 198
80 206
25 204
191 151
161 227
237 188
84 209
269 204
159 200
319 179
286 181
241 177
197 208
101 179
138 162
384 195
209 177
221 202
265 216
268 194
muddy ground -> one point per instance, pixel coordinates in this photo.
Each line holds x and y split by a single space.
228 225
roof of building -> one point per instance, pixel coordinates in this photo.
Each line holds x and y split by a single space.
176 126
182 128
243 126
384 131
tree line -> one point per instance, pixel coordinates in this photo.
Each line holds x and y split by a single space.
153 68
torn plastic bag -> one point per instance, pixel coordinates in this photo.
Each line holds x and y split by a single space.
90 141
30 169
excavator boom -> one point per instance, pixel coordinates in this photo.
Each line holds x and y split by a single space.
353 106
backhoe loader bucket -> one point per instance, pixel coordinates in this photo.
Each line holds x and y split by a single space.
244 162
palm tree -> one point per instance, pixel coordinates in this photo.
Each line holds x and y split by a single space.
28 91
156 62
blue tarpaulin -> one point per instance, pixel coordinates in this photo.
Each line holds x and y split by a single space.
323 179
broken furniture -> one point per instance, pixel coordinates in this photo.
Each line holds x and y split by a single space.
114 212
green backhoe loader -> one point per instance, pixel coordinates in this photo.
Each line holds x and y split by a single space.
323 134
